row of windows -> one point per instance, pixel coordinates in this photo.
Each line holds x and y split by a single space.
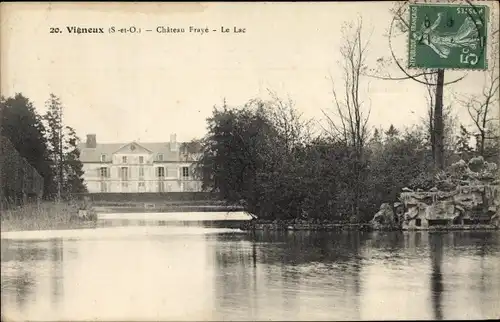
159 157
140 185
161 187
124 171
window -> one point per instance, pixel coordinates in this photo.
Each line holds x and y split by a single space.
103 187
141 159
185 172
141 172
141 185
418 222
160 157
103 157
124 159
160 172
103 172
161 186
124 173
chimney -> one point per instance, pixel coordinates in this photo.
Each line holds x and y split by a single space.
173 142
91 141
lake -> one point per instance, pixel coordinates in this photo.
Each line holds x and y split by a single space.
150 270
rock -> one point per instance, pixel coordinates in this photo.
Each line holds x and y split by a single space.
446 185
82 213
384 218
459 167
495 220
463 191
492 210
491 167
459 211
441 210
476 164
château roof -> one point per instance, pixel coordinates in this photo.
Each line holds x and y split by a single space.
94 154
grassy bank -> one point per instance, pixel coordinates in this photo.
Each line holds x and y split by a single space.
44 216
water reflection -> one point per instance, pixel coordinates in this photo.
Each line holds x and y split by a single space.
56 271
298 275
24 271
436 253
177 272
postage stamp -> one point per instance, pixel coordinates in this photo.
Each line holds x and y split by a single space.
448 36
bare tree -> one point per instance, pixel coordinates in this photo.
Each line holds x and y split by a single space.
290 123
291 126
481 107
350 123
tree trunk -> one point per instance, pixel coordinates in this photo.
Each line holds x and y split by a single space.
483 139
1 168
438 123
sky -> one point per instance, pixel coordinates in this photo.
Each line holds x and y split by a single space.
143 87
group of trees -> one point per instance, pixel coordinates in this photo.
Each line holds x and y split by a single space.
48 145
264 156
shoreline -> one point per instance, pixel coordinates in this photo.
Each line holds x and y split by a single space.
54 216
256 225
37 226
291 225
34 224
250 226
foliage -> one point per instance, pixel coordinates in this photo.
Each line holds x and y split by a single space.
73 167
464 150
248 159
50 148
62 145
405 156
23 127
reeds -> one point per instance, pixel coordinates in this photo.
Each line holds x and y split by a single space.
41 216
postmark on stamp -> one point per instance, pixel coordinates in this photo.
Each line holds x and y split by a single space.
448 36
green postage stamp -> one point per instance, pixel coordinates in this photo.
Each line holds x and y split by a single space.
448 36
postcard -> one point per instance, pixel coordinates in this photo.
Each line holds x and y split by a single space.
261 161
